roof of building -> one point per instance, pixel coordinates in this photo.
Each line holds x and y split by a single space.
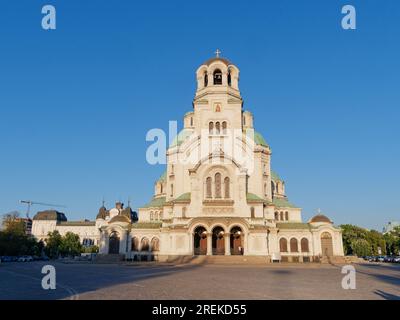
76 223
147 225
120 218
181 137
163 177
223 60
155 203
50 215
251 197
258 138
275 176
103 213
320 218
185 197
283 203
293 225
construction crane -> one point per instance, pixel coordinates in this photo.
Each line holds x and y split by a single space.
29 203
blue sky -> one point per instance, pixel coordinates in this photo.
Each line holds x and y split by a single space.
76 103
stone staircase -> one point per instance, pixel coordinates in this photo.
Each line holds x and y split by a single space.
231 260
108 258
335 260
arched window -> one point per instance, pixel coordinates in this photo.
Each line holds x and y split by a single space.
226 187
283 245
224 126
281 217
155 244
252 213
172 190
265 189
145 245
184 212
287 216
151 215
217 128
211 128
277 187
218 185
293 245
272 188
229 78
208 187
205 79
135 244
304 245
217 77
191 121
161 188
277 216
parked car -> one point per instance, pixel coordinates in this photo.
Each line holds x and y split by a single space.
6 259
396 259
25 259
380 259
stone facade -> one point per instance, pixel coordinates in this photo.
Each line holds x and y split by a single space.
218 195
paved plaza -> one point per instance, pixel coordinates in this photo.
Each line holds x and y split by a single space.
113 281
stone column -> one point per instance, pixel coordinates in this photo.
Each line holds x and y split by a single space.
209 244
227 238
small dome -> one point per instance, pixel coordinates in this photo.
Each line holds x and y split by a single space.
320 218
120 218
50 215
102 213
224 61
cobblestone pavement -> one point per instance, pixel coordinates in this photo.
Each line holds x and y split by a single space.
285 281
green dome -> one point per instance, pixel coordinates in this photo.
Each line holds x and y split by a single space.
181 137
258 138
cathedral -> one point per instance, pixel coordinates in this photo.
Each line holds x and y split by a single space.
217 196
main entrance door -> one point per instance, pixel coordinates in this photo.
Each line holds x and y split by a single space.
326 244
218 243
236 241
200 241
113 244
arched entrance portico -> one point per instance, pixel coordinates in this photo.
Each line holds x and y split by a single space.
236 241
113 244
218 241
200 241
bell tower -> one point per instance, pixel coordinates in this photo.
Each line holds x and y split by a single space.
217 103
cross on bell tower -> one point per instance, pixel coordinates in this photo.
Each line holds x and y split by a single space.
217 53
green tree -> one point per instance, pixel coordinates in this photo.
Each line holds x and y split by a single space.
53 243
13 224
360 247
70 245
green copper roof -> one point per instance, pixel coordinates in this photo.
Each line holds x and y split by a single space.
146 225
282 203
251 197
155 203
162 177
181 137
183 197
275 176
258 138
293 225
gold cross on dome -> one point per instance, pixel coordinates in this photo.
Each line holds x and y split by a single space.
217 53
